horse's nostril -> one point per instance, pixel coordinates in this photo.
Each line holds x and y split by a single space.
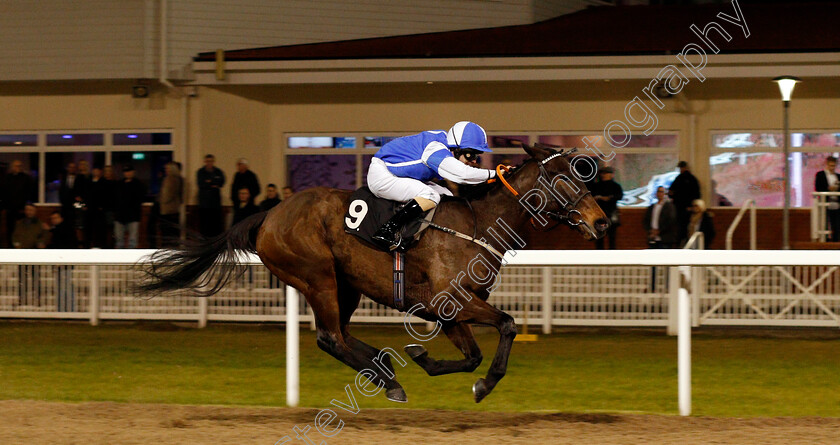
602 224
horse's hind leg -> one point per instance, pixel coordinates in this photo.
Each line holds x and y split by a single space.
335 340
462 337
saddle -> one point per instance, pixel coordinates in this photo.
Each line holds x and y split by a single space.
366 213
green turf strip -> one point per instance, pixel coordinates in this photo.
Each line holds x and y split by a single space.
623 371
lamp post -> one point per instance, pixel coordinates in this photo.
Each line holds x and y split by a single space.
786 84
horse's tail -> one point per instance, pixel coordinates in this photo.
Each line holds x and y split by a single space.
203 266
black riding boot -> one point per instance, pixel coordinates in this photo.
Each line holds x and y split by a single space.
388 236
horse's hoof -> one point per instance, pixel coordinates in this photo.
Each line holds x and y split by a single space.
415 351
396 395
480 390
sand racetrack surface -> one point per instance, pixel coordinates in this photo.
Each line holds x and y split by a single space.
34 422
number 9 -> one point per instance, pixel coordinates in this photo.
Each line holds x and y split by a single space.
358 210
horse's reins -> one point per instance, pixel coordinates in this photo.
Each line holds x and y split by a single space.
569 207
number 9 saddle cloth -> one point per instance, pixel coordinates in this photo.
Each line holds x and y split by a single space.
366 213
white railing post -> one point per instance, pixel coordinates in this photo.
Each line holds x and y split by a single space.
292 347
547 300
94 295
684 353
753 222
748 204
673 300
202 312
815 236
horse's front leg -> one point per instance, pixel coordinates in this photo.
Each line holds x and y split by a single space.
462 337
480 312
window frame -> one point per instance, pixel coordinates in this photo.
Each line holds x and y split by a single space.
108 147
533 136
715 150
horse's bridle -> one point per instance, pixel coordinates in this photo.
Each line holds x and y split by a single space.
570 208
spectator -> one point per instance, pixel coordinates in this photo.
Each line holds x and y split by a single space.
130 195
287 192
684 190
271 198
109 203
827 181
18 188
607 193
96 195
245 206
210 181
660 222
244 177
702 220
70 192
63 236
30 233
171 198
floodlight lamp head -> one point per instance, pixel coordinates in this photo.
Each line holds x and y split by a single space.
786 84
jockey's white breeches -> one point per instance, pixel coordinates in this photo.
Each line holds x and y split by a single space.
385 184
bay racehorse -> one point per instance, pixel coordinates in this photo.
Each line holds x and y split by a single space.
302 241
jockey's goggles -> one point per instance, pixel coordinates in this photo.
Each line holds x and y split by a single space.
468 154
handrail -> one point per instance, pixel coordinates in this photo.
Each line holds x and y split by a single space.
748 204
819 205
697 238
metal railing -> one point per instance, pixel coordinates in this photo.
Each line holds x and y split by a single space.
92 285
748 204
819 221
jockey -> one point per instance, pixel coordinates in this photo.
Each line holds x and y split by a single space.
403 168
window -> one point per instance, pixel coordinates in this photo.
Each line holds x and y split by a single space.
147 150
751 166
142 138
332 161
71 139
646 163
18 140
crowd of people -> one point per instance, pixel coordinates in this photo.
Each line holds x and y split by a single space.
669 222
99 209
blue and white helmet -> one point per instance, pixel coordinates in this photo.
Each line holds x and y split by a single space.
467 134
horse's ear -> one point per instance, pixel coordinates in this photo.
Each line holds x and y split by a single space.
536 152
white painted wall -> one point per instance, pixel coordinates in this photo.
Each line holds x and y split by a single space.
102 39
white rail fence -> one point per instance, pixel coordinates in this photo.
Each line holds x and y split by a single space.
820 230
96 285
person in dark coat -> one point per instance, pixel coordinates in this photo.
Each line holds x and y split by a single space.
828 181
684 190
245 207
702 220
660 222
18 189
244 177
130 195
63 236
71 191
96 195
210 182
607 193
271 198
